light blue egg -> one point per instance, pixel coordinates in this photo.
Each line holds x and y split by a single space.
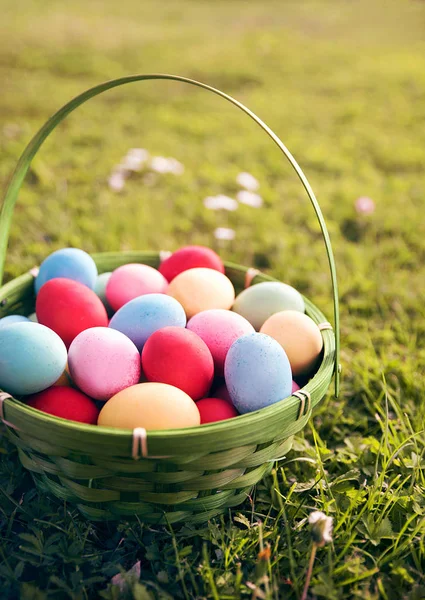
260 301
257 372
70 263
144 315
100 290
32 358
5 321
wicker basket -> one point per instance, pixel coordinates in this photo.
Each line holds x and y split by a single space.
186 475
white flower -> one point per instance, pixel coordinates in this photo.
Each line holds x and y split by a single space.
247 181
321 530
175 167
135 159
160 164
250 199
364 205
227 203
220 202
224 233
116 180
139 153
212 203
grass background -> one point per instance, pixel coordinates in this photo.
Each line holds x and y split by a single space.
343 85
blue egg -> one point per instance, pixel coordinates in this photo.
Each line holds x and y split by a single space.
257 372
100 290
144 315
70 263
32 358
12 319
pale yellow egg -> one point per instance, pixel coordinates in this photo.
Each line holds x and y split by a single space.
151 406
202 289
299 336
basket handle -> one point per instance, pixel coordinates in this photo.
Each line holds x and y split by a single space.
30 151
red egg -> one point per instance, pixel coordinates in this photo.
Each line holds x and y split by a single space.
215 409
69 307
190 257
67 403
179 357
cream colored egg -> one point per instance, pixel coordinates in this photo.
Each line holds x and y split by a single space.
202 289
299 336
151 406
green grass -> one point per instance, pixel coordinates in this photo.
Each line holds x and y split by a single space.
343 84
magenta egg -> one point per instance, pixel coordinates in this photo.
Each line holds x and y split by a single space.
103 361
133 280
295 386
219 329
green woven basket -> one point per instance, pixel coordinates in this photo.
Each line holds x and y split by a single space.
189 474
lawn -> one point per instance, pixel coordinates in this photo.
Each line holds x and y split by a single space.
343 85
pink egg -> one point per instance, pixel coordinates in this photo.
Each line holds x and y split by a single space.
295 386
133 280
103 361
219 329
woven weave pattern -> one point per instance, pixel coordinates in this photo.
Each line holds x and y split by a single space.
188 475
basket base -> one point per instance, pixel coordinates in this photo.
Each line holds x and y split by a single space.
156 514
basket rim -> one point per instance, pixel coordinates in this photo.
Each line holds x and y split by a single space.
278 409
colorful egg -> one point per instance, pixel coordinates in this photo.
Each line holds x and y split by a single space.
103 361
133 280
69 307
32 358
179 357
219 329
257 372
141 317
151 406
190 257
100 290
258 302
33 317
202 289
299 336
215 409
5 321
68 263
66 403
295 387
